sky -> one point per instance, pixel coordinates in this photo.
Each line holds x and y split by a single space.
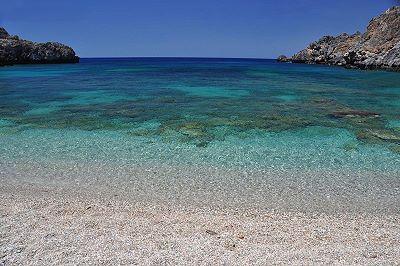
186 28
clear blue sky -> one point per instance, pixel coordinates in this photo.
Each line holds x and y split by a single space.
203 28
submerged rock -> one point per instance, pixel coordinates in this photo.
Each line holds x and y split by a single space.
354 113
14 50
379 134
385 135
395 148
377 48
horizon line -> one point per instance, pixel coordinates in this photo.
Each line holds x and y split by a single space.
172 57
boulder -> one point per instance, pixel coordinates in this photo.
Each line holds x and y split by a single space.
283 58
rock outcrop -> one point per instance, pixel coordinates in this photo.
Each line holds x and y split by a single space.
14 50
377 48
283 58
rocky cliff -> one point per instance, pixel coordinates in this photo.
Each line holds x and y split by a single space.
14 50
377 48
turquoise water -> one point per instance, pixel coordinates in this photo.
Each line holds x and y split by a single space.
236 113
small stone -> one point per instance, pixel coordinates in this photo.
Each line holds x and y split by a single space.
230 246
50 235
211 232
370 255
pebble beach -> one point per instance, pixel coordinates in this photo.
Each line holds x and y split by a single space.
43 225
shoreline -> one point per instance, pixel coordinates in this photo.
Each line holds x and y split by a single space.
55 225
298 190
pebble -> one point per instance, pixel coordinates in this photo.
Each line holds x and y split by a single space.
211 232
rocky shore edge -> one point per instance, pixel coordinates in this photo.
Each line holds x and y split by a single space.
377 48
14 50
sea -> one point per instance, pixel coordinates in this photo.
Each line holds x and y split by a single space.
206 131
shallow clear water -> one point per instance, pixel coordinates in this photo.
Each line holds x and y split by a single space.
207 130
224 112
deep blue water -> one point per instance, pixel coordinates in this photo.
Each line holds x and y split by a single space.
224 112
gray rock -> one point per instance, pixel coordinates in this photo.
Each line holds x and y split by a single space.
283 58
211 232
377 48
14 50
3 33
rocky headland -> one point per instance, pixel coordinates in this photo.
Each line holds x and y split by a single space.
14 50
377 48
